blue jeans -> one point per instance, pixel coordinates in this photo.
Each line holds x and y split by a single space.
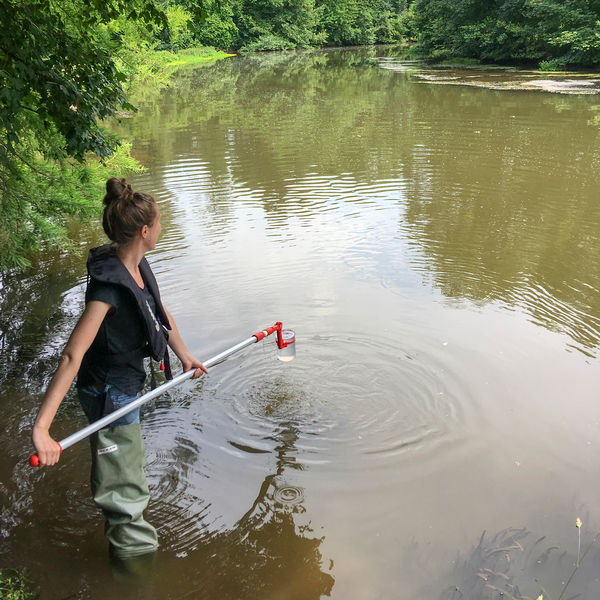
98 403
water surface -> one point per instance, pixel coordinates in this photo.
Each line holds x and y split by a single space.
435 249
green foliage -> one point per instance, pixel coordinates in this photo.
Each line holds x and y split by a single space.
58 82
65 68
342 20
218 31
268 42
45 195
276 24
357 22
132 46
554 64
253 25
14 586
218 28
397 28
557 32
180 32
56 67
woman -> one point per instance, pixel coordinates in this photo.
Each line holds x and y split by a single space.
123 322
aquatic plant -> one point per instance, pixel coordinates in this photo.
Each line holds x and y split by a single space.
554 64
14 585
496 568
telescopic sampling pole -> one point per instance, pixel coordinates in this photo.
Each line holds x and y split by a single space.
282 336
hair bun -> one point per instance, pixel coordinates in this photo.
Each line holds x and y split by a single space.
117 189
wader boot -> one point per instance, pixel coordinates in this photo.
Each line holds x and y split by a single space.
119 488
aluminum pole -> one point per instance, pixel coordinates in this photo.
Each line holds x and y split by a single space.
117 414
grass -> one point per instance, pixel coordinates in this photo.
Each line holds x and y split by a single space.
192 56
15 586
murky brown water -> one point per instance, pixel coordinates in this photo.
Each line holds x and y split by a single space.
435 249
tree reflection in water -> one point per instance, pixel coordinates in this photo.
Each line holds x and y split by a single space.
266 555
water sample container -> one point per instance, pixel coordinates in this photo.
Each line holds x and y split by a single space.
288 352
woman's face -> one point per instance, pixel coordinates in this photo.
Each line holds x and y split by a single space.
154 230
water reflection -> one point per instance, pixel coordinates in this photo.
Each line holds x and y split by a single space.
266 554
500 212
496 205
269 552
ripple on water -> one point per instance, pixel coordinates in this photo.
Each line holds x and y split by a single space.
288 495
382 407
319 411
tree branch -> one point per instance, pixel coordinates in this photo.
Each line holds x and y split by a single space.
33 110
34 169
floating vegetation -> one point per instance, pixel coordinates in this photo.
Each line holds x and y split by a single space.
497 78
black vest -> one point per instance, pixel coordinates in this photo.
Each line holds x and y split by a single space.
104 266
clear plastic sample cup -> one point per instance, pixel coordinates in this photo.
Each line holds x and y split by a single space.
288 352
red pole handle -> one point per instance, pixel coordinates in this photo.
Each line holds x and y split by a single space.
34 459
268 331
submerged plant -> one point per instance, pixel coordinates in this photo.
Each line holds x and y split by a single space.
495 567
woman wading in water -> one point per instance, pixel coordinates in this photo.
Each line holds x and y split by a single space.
124 321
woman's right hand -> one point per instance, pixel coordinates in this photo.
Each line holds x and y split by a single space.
81 339
48 450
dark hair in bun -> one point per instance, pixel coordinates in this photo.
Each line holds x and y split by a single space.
126 211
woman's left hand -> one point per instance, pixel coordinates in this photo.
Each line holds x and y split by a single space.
184 355
193 363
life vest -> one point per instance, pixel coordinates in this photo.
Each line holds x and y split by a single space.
103 265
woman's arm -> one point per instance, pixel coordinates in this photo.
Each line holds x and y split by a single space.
178 346
81 339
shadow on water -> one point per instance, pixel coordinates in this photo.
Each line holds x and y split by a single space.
34 311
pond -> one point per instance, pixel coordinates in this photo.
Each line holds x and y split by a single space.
435 249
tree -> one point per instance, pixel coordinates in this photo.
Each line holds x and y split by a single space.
218 28
561 31
58 81
276 24
356 22
57 70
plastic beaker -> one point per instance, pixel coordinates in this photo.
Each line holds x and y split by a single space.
288 352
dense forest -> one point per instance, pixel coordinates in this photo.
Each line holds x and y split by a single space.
555 33
66 68
560 32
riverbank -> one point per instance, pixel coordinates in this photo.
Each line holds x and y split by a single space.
197 56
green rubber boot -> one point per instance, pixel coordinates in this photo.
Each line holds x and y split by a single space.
119 488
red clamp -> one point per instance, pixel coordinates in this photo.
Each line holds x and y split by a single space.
269 330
